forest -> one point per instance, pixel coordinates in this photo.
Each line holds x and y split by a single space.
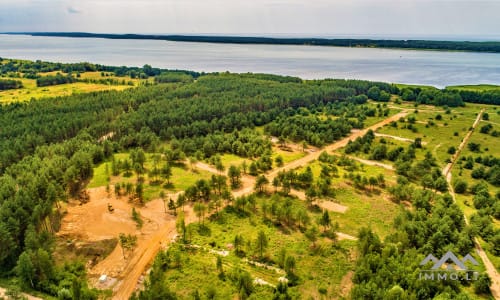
405 44
50 149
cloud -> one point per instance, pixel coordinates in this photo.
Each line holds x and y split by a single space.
73 10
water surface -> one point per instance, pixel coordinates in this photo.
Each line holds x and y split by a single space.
436 68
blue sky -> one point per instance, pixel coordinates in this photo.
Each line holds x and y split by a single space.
257 17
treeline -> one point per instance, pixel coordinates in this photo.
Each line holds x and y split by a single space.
54 80
31 69
433 96
483 97
9 84
371 43
311 129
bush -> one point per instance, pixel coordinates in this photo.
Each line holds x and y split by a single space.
460 186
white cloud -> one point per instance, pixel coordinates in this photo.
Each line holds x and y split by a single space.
321 17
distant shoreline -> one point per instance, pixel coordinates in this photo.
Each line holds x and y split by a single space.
485 47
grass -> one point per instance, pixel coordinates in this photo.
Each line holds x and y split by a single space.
335 261
182 177
474 87
231 159
365 208
441 135
288 156
31 91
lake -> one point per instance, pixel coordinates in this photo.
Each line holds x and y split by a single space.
436 68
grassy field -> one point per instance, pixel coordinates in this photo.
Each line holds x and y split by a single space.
477 87
365 208
335 259
438 134
31 91
182 177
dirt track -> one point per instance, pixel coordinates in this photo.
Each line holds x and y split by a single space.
490 268
335 146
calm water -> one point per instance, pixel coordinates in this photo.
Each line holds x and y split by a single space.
403 66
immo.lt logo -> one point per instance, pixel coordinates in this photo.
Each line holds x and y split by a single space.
449 267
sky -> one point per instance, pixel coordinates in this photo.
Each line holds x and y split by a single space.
391 18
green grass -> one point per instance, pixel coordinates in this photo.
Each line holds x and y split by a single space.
101 176
474 87
231 159
182 177
334 261
288 156
439 137
31 91
365 208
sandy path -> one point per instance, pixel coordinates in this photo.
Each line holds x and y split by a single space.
490 268
397 138
337 145
368 162
160 227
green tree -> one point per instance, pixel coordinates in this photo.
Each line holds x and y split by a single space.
261 243
260 183
234 175
200 210
312 234
325 220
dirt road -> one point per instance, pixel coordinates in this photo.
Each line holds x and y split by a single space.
162 228
335 146
490 268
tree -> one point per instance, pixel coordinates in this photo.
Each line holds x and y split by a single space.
302 217
261 243
290 265
220 167
200 209
474 147
279 161
325 220
260 183
181 201
234 175
166 172
25 269
218 264
238 243
482 284
460 186
311 194
180 225
312 234
172 206
127 242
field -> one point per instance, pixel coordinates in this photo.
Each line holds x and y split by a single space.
90 82
30 91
